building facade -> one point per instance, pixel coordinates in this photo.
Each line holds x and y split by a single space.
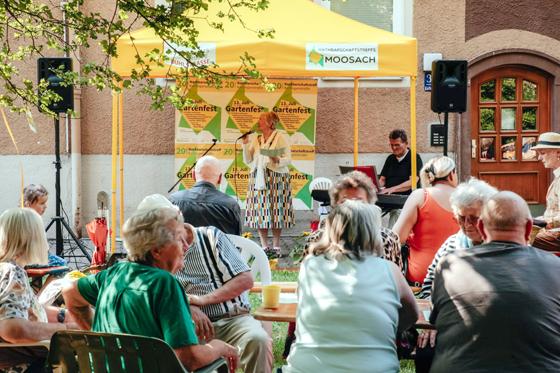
513 53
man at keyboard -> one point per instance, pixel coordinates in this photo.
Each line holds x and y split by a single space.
395 175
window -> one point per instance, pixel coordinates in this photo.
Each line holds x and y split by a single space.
391 15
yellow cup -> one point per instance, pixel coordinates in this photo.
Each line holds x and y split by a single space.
271 296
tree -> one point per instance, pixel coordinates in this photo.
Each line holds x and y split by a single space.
30 29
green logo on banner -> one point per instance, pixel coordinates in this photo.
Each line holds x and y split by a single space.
201 115
316 58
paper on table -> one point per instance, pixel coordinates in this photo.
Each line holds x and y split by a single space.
272 152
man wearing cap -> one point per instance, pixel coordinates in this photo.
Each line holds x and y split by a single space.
548 150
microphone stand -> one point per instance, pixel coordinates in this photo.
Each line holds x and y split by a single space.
181 176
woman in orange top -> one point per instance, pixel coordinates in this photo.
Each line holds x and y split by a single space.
427 219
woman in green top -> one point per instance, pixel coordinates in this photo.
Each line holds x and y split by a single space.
142 296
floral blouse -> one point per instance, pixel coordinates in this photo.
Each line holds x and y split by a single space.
17 300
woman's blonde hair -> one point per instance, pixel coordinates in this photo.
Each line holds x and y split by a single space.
352 231
22 237
271 118
436 169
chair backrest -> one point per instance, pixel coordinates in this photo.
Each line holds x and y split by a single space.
320 183
255 256
83 351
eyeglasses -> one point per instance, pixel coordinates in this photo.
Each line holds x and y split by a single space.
471 219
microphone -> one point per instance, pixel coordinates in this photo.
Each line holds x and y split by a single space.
245 135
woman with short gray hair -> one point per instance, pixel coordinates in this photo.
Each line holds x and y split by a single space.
344 284
466 202
142 232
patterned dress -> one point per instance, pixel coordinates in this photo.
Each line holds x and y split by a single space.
17 301
269 205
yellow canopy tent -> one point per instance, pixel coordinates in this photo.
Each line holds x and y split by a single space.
309 41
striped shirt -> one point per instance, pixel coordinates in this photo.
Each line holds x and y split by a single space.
455 242
210 262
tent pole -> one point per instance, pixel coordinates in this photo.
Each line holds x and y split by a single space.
413 164
114 135
356 86
121 160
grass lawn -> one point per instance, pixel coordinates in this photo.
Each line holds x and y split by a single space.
280 329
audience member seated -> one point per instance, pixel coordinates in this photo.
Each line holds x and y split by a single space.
22 318
36 196
356 185
466 201
548 150
426 220
204 205
351 302
142 296
496 306
216 280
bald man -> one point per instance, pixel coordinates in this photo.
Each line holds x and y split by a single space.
497 305
204 205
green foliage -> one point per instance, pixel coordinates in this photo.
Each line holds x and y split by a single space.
33 28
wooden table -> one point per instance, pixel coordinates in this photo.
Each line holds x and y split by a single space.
285 287
287 313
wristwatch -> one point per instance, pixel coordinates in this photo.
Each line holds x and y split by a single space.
61 315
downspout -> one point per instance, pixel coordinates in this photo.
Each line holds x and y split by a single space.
73 130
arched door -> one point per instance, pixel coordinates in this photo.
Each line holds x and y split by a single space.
510 108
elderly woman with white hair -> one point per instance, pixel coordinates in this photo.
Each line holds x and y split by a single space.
467 202
426 220
351 302
142 296
22 318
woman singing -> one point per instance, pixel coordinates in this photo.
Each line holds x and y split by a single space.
269 198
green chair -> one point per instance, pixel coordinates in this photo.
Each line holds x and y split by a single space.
90 352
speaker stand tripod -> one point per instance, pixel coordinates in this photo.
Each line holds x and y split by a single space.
445 130
59 220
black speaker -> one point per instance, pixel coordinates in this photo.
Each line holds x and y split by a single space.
47 68
449 86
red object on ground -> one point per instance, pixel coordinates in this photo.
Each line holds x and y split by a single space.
97 232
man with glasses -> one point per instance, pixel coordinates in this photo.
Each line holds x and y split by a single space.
395 175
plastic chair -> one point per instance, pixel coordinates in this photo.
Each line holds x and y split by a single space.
254 255
319 189
250 251
83 351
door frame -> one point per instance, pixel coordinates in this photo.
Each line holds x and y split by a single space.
517 57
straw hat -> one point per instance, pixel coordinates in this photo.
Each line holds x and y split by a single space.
548 140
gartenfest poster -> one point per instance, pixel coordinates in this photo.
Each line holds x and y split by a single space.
224 114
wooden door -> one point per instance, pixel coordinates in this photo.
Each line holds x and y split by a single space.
510 108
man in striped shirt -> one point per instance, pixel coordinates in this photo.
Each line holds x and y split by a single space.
216 280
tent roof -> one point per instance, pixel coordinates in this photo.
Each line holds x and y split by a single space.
297 24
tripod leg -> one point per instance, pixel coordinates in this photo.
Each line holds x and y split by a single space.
49 226
76 240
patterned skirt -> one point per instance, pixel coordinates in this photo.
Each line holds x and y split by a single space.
270 208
